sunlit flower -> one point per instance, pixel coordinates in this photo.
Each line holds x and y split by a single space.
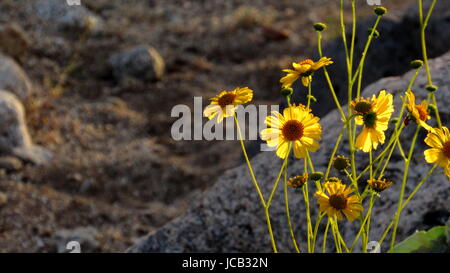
304 69
225 104
297 126
335 200
298 181
375 122
419 113
379 185
439 141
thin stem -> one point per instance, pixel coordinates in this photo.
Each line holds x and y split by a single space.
363 225
405 179
325 235
249 165
308 216
266 207
288 214
316 229
416 189
327 77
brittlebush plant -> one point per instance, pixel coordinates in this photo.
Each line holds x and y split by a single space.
297 131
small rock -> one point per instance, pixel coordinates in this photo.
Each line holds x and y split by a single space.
3 198
67 17
66 240
10 164
13 78
14 41
14 137
140 62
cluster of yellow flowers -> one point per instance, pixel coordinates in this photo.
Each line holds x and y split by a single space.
297 129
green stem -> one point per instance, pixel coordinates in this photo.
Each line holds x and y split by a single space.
288 214
416 189
249 165
325 235
402 192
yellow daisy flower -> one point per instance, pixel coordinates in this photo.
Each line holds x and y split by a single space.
297 126
439 141
303 69
338 201
375 122
225 104
418 112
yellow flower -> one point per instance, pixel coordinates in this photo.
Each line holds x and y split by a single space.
225 104
375 122
338 201
439 141
418 112
298 126
303 69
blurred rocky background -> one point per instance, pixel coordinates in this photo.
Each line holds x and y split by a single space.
86 94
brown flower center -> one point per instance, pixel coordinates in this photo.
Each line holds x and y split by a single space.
446 149
363 107
370 119
292 130
338 201
423 113
226 99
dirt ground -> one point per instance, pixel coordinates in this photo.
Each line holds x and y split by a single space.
116 167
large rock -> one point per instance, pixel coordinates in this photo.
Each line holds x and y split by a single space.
389 55
14 137
140 62
13 78
229 217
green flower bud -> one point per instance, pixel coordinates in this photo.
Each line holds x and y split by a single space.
416 64
380 11
320 26
316 176
376 34
287 91
431 88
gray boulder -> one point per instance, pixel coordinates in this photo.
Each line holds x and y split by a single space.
141 62
13 78
14 137
229 217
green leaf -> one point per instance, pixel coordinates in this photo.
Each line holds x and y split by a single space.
433 240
